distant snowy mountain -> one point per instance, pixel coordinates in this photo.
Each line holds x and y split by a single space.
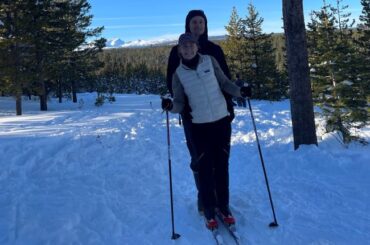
118 43
114 43
152 42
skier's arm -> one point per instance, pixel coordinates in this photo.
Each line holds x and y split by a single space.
224 82
178 95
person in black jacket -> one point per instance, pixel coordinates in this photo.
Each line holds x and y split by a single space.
196 24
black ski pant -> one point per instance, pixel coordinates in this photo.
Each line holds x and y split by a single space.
188 131
212 145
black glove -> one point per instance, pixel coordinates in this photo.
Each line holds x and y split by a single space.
167 104
246 91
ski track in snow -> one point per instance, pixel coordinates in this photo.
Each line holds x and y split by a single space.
78 174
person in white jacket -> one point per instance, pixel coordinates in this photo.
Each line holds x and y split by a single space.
202 81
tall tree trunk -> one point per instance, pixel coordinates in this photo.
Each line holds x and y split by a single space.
74 92
18 85
43 98
43 103
60 95
304 131
18 103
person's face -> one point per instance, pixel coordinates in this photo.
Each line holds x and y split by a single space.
188 50
197 25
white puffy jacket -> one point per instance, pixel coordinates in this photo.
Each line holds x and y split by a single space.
203 87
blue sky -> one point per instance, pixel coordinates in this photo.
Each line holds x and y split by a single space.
154 19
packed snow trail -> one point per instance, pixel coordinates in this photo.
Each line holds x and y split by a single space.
79 174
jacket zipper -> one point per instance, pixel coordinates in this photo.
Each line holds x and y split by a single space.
206 91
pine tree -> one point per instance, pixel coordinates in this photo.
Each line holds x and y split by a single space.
261 71
15 48
43 26
363 48
342 18
45 41
335 71
79 54
321 43
234 43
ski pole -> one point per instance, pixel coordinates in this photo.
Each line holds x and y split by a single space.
174 235
274 223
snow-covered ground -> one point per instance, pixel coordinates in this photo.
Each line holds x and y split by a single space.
78 174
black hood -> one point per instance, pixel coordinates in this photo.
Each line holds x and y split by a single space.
204 37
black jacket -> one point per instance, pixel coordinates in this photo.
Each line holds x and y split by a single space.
206 47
